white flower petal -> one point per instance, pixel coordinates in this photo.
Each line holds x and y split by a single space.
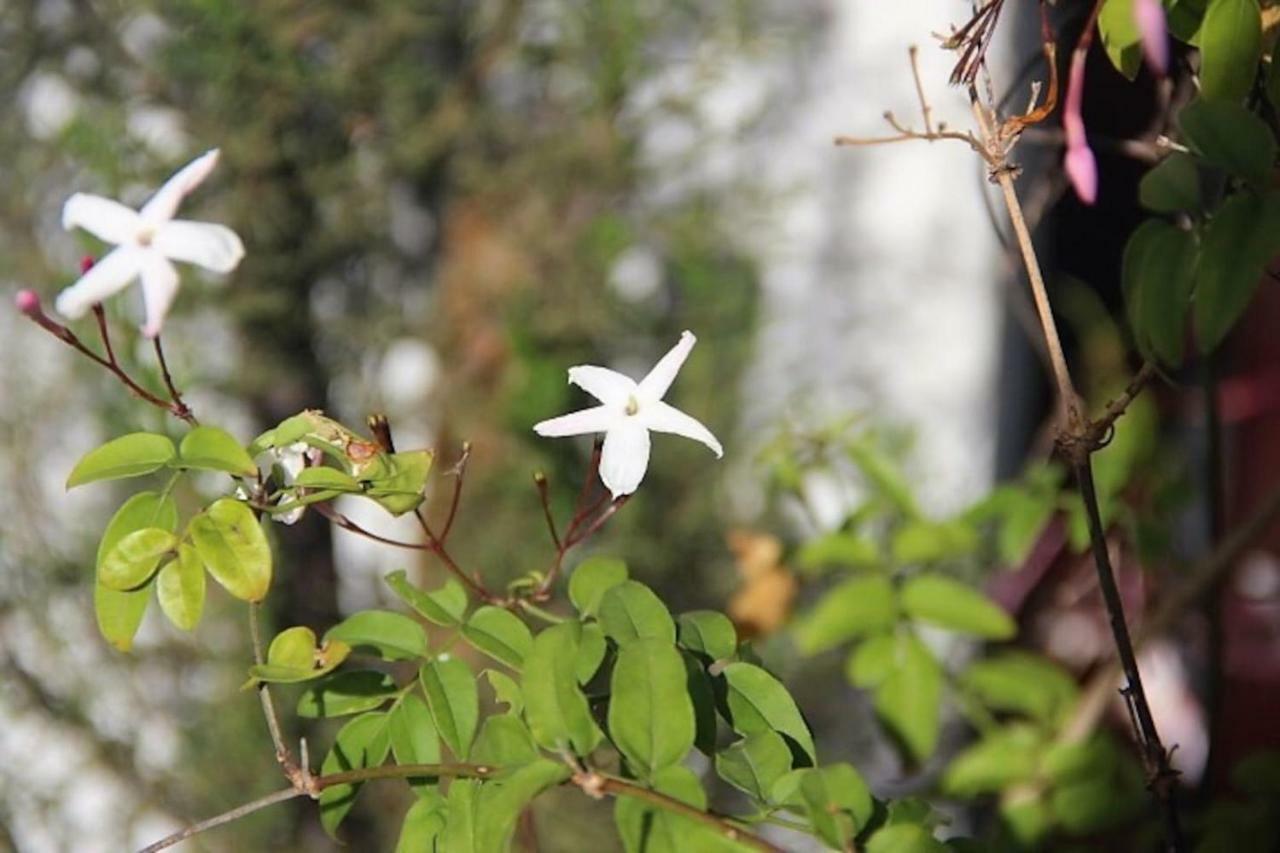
625 457
608 386
164 204
104 218
655 385
661 417
598 419
159 286
108 277
214 247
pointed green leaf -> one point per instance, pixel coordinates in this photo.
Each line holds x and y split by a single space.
835 797
120 613
758 702
754 764
393 635
461 828
505 690
1158 273
233 548
956 606
502 801
500 634
293 656
838 549
554 706
127 456
905 838
1230 47
1023 683
908 697
1172 185
1229 136
1120 37
134 559
345 693
702 695
630 611
414 740
446 606
592 647
871 662
145 509
920 541
401 489
859 606
362 742
180 588
1003 758
591 579
647 829
423 824
708 633
651 717
212 449
504 741
1240 240
328 479
453 700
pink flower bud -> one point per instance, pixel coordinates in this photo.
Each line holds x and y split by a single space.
1082 171
28 302
1149 16
86 264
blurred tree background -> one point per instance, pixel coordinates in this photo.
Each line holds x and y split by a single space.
445 204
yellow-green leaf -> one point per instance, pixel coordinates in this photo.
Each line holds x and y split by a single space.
134 558
127 456
233 547
212 449
180 588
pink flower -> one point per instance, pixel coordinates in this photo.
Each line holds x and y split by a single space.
1081 168
1149 16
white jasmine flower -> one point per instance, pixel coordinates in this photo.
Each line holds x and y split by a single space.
629 411
292 460
146 241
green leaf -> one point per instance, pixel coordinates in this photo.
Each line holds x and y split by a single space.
446 606
127 456
400 490
1238 243
592 648
1120 36
702 695
1229 136
653 830
120 613
133 560
423 823
920 541
884 476
651 718
394 635
1172 185
500 634
754 764
326 478
835 798
591 579
505 690
1184 18
180 588
757 702
630 611
461 830
955 606
362 742
1230 47
1158 272
554 706
839 549
233 548
345 693
1072 761
904 838
871 662
454 702
1003 758
859 606
293 656
414 740
504 741
1023 683
908 697
502 801
212 449
708 633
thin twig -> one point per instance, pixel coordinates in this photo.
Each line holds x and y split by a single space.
226 817
540 480
459 473
180 408
283 755
914 53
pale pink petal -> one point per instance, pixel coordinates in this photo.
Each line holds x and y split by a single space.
106 278
608 386
214 247
1149 16
655 385
164 204
661 417
159 286
625 457
1082 171
104 218
599 419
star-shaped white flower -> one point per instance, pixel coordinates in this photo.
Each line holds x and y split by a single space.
628 411
146 241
